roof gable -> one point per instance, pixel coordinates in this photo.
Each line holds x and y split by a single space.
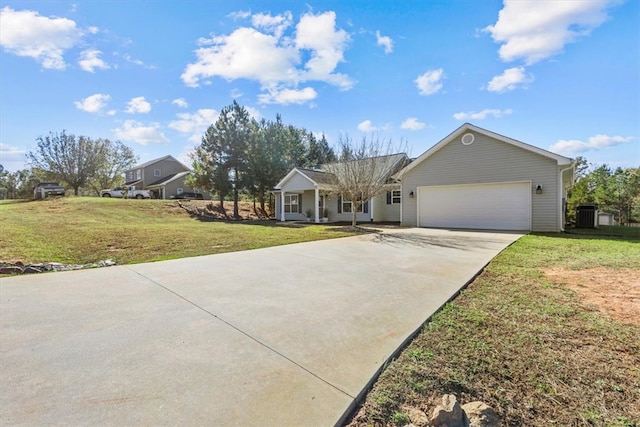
154 161
169 178
294 172
560 160
320 177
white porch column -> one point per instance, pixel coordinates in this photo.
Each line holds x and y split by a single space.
317 208
371 217
282 218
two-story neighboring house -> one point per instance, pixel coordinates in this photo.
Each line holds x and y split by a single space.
162 177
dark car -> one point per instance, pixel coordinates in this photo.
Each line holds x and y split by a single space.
187 195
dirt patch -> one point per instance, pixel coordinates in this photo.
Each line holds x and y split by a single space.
211 209
614 292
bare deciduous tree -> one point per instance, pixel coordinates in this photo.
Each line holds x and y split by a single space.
364 170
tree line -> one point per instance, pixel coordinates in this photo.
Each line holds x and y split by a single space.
238 156
616 191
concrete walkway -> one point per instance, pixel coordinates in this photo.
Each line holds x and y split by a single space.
283 336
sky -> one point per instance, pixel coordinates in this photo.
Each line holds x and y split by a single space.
559 75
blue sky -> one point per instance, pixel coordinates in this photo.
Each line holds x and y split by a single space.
560 75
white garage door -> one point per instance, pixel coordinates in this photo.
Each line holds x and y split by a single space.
501 206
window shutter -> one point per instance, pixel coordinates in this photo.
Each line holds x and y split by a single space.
388 197
299 203
339 204
365 207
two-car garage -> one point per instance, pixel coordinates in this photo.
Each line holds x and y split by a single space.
495 206
478 179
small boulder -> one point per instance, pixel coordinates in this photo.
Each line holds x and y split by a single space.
449 413
481 415
418 418
11 269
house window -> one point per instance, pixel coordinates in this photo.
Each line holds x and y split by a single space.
139 174
291 203
347 206
396 197
156 172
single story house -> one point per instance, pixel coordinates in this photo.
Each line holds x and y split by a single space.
303 190
163 177
478 179
473 178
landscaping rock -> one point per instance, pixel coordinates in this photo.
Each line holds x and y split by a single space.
481 415
449 414
11 269
418 418
20 268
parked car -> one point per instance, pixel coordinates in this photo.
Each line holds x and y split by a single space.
130 192
46 189
187 195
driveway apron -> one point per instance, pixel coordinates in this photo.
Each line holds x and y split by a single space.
288 335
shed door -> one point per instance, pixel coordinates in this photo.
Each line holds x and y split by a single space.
499 206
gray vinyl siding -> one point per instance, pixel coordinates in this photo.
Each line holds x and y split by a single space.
297 183
382 212
167 167
487 160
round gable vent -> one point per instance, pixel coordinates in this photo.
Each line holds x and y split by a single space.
467 138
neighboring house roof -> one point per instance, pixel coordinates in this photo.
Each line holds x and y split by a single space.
168 179
322 179
151 162
561 160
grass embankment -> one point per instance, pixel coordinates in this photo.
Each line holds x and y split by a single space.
88 229
525 344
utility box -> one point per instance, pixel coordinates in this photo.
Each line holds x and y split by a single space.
587 216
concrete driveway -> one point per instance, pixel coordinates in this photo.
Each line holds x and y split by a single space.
289 335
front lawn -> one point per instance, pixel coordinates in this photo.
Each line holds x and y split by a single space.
79 230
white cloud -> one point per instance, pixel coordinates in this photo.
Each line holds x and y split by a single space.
288 96
412 123
275 25
89 61
318 34
481 115
384 41
180 102
26 33
195 124
533 30
367 126
134 131
509 80
597 142
253 112
241 14
275 60
94 103
430 82
13 158
138 105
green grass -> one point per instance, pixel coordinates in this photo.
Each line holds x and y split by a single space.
88 229
524 345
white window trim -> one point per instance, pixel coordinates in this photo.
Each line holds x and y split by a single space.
396 200
157 172
350 206
290 198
